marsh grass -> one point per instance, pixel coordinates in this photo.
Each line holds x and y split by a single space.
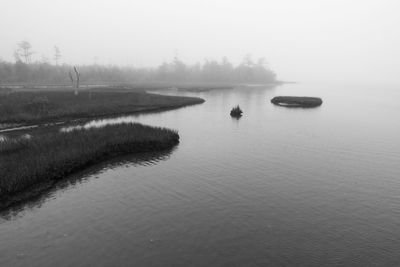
51 156
45 106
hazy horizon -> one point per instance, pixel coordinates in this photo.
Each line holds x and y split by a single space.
308 41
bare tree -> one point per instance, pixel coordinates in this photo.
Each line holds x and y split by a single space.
78 75
24 51
57 54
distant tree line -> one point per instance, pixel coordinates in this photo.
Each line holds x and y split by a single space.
24 70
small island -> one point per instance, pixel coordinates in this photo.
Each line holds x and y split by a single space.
297 101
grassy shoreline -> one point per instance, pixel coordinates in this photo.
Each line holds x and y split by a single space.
26 108
28 164
9 127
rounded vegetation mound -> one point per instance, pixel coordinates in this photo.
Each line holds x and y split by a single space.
297 101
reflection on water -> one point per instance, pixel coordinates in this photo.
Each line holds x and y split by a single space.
50 191
279 187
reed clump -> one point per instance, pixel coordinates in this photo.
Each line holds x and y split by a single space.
236 111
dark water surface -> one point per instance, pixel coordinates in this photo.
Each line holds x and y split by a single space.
278 187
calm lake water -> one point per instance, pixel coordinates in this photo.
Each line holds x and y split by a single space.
278 187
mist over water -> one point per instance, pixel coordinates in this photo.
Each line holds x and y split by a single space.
299 187
302 40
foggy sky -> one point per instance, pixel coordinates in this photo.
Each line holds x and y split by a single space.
338 40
